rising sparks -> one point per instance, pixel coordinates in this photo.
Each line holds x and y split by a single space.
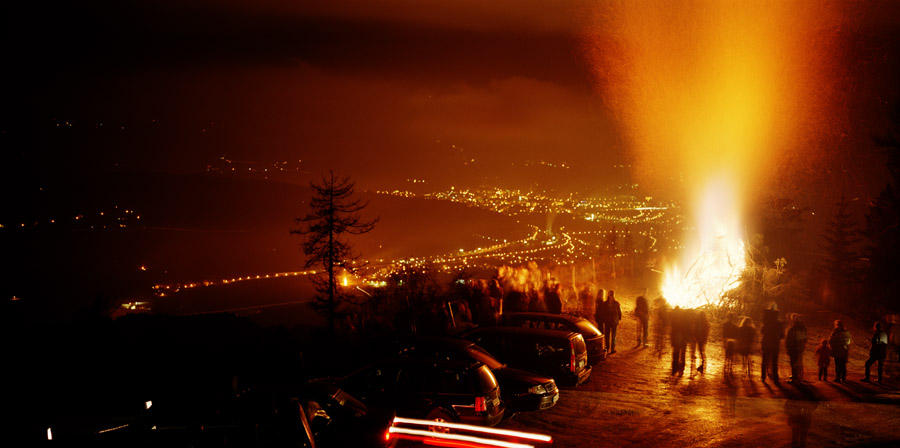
711 94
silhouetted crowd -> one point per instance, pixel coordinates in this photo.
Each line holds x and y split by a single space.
688 330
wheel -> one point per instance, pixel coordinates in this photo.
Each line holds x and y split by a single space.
439 415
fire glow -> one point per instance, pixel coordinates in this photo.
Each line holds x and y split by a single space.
716 259
714 98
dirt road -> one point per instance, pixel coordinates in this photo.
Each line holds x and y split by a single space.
632 399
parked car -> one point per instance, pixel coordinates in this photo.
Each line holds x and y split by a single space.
593 337
559 354
520 390
273 415
454 391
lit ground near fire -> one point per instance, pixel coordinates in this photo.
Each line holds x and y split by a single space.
633 400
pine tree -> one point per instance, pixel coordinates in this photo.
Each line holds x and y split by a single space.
335 213
840 260
882 229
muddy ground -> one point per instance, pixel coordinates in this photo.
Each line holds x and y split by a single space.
632 399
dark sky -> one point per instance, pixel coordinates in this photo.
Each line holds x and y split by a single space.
382 91
379 90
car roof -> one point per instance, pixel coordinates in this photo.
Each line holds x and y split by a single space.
522 331
568 317
444 341
421 362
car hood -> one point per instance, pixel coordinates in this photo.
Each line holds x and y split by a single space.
509 375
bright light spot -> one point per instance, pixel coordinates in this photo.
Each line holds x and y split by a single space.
49 434
148 404
715 265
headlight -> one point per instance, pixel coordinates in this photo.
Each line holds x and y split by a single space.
539 389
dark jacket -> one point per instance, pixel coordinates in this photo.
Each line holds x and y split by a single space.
772 330
795 339
879 345
840 343
642 308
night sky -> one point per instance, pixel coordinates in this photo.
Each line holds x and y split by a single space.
382 91
456 92
394 91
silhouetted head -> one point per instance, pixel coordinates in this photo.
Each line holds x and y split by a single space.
838 324
611 295
877 326
824 342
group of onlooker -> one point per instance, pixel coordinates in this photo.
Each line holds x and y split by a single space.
739 338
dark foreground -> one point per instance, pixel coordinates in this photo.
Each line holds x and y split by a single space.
104 372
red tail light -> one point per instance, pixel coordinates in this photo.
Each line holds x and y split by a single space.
572 356
480 404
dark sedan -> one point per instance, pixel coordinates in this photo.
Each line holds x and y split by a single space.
593 338
520 390
454 391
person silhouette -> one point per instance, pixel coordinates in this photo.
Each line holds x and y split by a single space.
840 350
878 352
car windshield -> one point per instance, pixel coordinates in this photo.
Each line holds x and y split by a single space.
587 328
486 380
578 343
484 357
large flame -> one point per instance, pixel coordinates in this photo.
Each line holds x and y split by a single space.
709 93
716 256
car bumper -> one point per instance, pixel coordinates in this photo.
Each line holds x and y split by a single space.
484 420
595 351
534 402
584 376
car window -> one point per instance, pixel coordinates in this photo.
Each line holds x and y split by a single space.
377 379
556 325
484 357
491 343
578 342
412 379
546 348
453 382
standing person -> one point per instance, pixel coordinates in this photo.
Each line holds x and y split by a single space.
552 299
840 350
642 311
795 344
601 311
661 321
729 339
495 291
823 358
678 337
586 299
772 332
746 332
878 352
700 334
614 316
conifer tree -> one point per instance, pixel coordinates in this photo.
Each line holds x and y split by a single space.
334 214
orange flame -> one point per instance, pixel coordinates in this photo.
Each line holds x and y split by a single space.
709 95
